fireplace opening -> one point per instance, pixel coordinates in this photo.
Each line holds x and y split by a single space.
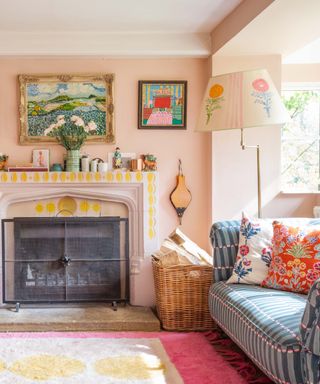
65 259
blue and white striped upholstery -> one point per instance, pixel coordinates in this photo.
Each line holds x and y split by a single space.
310 331
266 323
225 240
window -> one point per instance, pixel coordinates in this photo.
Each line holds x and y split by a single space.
300 139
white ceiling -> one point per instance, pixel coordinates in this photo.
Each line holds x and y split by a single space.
285 27
308 54
110 27
182 16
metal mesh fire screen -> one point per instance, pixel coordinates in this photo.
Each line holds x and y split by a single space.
71 259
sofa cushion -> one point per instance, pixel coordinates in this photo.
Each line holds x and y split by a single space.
275 314
295 261
254 253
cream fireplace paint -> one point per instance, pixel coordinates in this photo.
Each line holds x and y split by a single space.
138 191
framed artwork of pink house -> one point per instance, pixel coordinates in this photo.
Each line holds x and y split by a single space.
162 104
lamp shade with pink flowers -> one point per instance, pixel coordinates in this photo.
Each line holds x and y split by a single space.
241 100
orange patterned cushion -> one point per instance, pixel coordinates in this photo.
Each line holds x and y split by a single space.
295 261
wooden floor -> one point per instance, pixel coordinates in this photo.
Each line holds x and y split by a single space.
78 318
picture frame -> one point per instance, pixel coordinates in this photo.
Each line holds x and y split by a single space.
41 158
46 98
162 104
125 157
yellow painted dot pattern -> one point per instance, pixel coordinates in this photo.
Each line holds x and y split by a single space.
2 366
45 367
151 188
128 367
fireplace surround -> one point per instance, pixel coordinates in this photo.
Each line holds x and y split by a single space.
138 191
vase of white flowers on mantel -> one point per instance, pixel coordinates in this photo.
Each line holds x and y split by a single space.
71 133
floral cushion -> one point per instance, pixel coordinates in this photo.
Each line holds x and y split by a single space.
254 254
295 261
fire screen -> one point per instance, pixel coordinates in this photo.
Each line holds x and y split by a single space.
72 259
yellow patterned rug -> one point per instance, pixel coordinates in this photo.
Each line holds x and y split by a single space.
77 360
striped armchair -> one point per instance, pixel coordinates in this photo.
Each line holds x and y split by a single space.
278 330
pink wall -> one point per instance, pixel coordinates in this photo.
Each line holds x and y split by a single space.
194 149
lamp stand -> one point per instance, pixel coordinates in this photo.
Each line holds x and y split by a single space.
243 146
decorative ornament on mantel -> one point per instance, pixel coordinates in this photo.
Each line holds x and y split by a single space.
3 161
180 197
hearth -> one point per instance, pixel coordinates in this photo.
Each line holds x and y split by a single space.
65 259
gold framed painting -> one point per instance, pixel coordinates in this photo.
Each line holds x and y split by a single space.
46 100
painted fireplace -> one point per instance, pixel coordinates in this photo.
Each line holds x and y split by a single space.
65 260
137 192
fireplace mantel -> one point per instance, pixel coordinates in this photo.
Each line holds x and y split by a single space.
137 190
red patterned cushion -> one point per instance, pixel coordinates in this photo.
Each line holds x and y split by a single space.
295 263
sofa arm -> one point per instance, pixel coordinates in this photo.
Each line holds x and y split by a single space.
224 237
310 324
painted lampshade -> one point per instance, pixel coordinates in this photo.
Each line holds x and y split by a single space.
241 100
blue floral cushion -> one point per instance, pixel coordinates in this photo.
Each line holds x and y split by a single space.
254 252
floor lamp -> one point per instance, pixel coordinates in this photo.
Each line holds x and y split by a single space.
239 100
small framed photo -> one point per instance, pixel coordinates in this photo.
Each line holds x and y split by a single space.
41 158
162 104
125 160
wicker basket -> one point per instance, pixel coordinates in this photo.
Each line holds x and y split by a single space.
182 296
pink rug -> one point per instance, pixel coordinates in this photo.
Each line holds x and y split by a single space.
231 353
190 354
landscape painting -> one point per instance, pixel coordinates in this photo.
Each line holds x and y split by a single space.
45 100
162 104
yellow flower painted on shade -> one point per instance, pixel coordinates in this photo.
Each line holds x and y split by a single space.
129 367
46 367
4 177
63 176
80 176
214 100
216 90
97 176
84 206
39 208
109 176
51 207
88 176
151 211
151 233
150 188
72 176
